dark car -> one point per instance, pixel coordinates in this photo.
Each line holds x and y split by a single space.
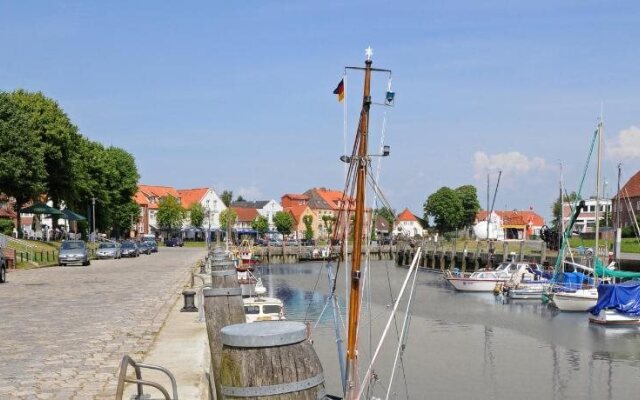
73 252
308 242
144 247
174 242
152 244
130 249
3 268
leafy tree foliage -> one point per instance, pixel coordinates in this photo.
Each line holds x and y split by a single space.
23 173
307 220
328 221
240 198
260 224
196 215
228 218
468 195
170 213
446 209
283 222
226 197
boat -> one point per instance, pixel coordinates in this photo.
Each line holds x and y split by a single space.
618 304
247 282
578 300
479 281
245 261
526 292
259 308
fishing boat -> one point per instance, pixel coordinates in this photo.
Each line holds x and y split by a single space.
618 304
245 261
258 307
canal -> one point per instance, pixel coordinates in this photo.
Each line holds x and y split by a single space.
466 345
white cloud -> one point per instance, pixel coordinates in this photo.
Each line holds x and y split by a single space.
626 145
512 163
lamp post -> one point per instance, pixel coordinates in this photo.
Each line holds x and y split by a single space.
209 228
93 221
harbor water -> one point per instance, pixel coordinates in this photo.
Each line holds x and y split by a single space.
464 345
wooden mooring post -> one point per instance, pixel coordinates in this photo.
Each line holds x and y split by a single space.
223 306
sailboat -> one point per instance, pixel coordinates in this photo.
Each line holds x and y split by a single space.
352 207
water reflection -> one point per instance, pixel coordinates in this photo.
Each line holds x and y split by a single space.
472 345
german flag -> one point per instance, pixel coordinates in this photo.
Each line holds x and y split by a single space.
340 90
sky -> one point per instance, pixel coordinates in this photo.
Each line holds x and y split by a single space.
237 95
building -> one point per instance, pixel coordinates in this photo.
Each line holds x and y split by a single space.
244 220
212 204
514 224
408 224
326 204
148 198
629 196
266 208
383 228
298 212
586 221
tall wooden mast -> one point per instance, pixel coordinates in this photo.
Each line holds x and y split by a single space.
361 161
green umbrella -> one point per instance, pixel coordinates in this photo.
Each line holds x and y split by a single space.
40 208
71 216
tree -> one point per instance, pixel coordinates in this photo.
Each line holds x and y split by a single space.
120 176
260 224
228 218
468 195
196 215
59 139
283 222
556 208
388 214
170 213
445 207
226 197
23 173
327 221
307 220
240 198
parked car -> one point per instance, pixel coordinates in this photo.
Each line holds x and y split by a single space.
73 252
173 242
3 268
109 250
308 242
152 244
144 247
130 249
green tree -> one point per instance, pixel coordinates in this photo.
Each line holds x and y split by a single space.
260 224
196 215
327 221
59 139
445 207
23 173
240 198
468 195
226 197
283 222
556 208
228 218
307 220
120 177
170 213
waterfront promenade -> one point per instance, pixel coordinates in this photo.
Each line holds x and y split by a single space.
64 330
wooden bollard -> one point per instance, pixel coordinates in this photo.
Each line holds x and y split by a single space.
223 306
270 360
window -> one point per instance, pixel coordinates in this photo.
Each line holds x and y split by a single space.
252 310
271 309
638 205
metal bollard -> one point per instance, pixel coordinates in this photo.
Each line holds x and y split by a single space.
189 301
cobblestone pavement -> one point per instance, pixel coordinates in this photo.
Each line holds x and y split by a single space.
64 330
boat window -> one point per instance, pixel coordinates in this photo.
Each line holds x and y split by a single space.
513 267
252 309
271 309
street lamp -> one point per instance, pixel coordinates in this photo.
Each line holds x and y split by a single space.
209 228
93 220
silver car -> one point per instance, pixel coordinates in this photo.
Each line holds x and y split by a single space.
73 252
109 250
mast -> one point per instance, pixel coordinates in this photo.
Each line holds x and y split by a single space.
598 179
358 228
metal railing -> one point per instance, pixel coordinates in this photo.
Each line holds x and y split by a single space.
140 383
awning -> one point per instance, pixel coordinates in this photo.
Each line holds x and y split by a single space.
41 208
71 216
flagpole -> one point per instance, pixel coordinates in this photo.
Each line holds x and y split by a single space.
346 169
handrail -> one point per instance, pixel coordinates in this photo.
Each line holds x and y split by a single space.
122 379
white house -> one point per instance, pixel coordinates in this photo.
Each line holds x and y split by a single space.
266 208
212 204
408 224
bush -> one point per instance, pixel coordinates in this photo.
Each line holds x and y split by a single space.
6 227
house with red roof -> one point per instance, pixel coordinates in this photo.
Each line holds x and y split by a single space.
513 224
298 212
212 204
245 218
629 197
408 224
148 198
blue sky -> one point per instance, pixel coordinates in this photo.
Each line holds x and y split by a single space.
237 94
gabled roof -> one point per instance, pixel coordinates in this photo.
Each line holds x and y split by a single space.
514 217
249 204
382 225
245 214
158 191
141 199
295 196
632 187
296 211
406 215
327 199
191 196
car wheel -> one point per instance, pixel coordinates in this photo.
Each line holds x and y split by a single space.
61 264
3 274
88 262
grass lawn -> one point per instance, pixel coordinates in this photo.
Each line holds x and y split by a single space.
628 245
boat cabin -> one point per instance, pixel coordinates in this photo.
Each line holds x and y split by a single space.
263 309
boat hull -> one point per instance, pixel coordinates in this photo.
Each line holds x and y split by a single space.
580 301
473 285
525 294
613 318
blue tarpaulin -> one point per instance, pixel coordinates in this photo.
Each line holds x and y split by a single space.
622 297
573 280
